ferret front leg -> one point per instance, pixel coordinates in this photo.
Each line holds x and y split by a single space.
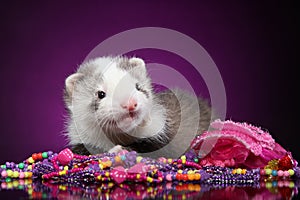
116 149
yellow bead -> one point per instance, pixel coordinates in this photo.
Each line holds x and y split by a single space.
30 160
15 183
291 184
107 174
29 167
108 163
99 177
66 168
15 174
138 176
101 166
63 172
268 171
138 159
9 173
190 172
291 172
268 185
183 157
138 193
110 184
180 171
117 158
29 191
238 170
149 179
244 171
62 187
170 160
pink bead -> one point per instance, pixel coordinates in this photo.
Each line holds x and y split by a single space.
169 177
65 156
280 173
280 183
21 175
262 172
286 183
118 174
3 185
4 174
169 186
286 173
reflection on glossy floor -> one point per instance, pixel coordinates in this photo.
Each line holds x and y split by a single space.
282 189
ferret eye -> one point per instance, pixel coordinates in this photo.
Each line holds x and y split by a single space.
101 94
138 87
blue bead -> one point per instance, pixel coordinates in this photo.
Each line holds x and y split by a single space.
274 184
274 172
123 157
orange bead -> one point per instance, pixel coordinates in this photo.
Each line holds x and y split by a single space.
117 159
191 177
197 176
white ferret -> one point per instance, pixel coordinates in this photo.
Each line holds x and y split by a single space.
111 105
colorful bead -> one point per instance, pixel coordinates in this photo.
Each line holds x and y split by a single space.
274 173
291 172
45 155
268 171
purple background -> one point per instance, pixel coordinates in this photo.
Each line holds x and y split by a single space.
42 42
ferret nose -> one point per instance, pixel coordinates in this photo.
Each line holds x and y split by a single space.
130 105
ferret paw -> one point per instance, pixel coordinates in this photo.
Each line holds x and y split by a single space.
116 149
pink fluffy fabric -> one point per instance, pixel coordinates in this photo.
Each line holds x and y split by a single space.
235 144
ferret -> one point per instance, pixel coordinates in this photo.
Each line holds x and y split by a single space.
112 106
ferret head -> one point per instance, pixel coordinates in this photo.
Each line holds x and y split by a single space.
112 93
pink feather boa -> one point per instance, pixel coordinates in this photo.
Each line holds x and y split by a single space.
234 144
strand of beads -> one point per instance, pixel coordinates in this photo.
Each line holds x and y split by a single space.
22 170
282 168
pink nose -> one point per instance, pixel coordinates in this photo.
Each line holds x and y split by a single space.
130 105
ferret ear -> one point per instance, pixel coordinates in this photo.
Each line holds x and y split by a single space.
138 64
70 83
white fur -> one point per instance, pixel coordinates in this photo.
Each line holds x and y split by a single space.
119 86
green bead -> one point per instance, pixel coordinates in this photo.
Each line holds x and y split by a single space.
20 187
268 185
45 155
268 171
44 195
291 184
21 165
3 166
196 160
8 179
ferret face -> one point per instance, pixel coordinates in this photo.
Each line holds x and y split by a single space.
114 93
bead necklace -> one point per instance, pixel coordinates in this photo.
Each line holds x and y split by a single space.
66 167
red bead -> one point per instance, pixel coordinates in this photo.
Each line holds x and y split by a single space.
285 163
39 156
185 177
179 176
34 156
